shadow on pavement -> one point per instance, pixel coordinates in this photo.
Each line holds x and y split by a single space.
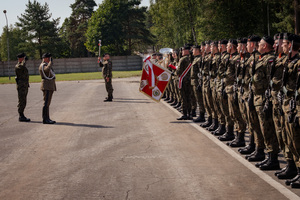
126 100
73 124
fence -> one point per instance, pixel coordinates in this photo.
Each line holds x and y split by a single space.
75 65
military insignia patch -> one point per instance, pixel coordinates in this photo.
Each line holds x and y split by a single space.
156 93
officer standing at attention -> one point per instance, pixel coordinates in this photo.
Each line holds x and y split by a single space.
107 75
22 79
48 85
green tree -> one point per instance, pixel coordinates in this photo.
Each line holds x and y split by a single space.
15 38
120 24
75 26
40 33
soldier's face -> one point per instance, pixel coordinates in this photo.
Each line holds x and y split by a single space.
207 48
174 55
262 46
228 48
286 46
239 47
20 59
46 60
106 57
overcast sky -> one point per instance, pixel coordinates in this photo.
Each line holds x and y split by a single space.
58 8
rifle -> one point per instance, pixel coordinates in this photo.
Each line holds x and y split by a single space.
223 82
200 75
268 102
283 91
235 86
99 50
251 94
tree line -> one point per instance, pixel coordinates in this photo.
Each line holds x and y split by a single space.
125 27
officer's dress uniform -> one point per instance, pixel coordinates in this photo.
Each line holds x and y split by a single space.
22 79
107 73
48 87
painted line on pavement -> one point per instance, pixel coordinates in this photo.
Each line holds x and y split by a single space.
278 186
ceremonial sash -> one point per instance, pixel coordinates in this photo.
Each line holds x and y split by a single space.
183 75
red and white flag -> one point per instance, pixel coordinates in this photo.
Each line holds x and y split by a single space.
154 79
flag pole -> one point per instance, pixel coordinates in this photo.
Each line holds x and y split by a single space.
99 55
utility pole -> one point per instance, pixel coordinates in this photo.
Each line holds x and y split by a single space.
8 68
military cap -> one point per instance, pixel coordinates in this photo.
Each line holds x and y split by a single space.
223 41
207 41
186 47
203 43
268 40
154 54
21 55
242 40
232 41
196 47
214 43
254 38
291 37
46 55
278 36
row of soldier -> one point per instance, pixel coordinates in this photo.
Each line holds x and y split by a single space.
250 82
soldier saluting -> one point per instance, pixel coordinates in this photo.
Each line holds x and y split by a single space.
107 75
22 79
48 85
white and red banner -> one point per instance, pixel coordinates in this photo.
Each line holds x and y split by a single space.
154 80
183 75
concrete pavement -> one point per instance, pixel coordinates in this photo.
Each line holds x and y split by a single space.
131 148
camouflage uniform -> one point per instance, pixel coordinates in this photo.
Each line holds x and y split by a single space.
107 73
22 79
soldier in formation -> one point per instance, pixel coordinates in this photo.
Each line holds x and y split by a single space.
247 84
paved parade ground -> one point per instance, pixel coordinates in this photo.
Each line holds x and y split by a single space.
131 148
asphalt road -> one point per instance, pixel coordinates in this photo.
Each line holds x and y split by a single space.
131 148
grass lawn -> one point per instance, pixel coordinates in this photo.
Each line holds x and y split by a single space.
75 76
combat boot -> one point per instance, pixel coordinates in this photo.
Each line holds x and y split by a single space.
249 148
214 125
108 99
228 136
263 162
295 179
201 118
272 163
239 141
22 118
184 116
289 171
213 132
220 131
193 113
48 117
207 123
257 155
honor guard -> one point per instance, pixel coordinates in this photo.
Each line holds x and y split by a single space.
106 65
48 85
22 80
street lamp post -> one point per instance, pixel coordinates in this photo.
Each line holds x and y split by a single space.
4 11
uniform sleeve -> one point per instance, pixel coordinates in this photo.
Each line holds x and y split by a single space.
48 67
180 67
109 69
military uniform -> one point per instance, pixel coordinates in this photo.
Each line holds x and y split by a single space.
48 86
259 86
197 87
185 90
107 74
22 80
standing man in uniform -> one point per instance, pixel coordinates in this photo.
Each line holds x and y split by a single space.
106 65
183 74
22 79
48 85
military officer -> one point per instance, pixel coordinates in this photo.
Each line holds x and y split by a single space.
183 73
196 87
22 80
106 65
48 85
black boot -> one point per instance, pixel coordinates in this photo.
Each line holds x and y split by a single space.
228 136
272 164
22 118
257 155
193 113
263 162
289 171
201 118
49 121
293 180
184 116
171 100
218 129
239 141
249 148
207 123
109 98
214 125
178 105
174 103
221 130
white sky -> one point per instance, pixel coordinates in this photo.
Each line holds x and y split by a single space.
58 8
